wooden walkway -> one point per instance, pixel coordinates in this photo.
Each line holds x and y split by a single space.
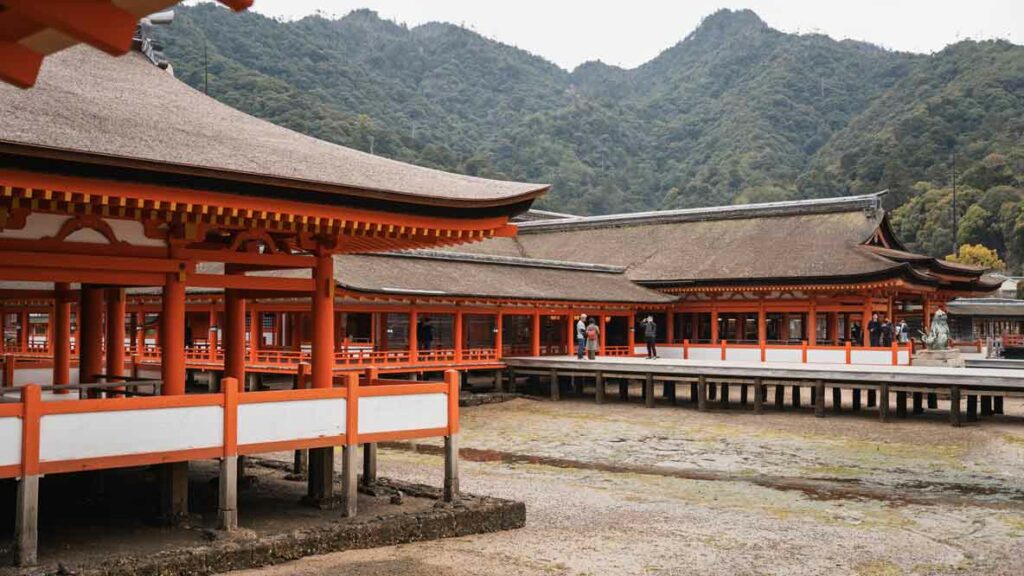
983 388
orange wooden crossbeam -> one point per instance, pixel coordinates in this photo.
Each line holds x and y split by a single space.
98 23
251 283
19 65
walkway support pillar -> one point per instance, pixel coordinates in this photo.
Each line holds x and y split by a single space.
174 476
649 390
115 331
451 442
819 398
90 334
369 464
234 337
62 335
599 388
321 460
26 522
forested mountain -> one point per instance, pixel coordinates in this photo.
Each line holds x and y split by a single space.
735 112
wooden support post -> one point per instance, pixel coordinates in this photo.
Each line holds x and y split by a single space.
599 388
172 337
512 380
499 337
414 343
954 405
649 390
724 400
759 392
743 394
26 521
61 345
349 482
901 404
837 399
780 397
972 407
933 401
323 322
883 403
90 334
9 370
451 467
535 335
320 481
918 403
457 335
369 464
623 389
693 393
116 310
712 391
856 399
702 393
997 406
814 396
872 398
819 398
227 487
451 440
173 492
556 391
795 392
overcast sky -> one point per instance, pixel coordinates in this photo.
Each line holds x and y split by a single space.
630 32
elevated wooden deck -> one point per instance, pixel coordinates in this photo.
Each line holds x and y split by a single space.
919 383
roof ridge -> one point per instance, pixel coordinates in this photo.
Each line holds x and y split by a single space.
506 260
866 202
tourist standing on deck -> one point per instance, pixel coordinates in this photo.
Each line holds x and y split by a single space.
650 336
581 336
427 338
901 332
885 332
875 330
593 339
856 336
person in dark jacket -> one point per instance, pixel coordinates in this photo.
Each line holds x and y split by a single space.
856 336
885 332
427 339
650 336
875 330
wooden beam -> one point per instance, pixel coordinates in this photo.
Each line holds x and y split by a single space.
19 65
86 262
251 283
251 259
82 276
98 23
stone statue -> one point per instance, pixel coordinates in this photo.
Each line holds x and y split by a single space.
937 337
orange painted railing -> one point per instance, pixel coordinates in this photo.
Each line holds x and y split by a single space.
618 350
896 354
140 431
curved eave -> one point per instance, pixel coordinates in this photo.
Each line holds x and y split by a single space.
321 192
901 271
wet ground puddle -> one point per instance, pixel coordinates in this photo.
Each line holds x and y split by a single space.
922 493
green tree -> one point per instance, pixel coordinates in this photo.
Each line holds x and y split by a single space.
977 255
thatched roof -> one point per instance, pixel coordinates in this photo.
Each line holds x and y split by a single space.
828 240
126 112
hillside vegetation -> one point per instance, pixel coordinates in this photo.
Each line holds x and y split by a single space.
735 112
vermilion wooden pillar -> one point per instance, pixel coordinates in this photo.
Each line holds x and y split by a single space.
812 324
323 322
714 325
762 324
255 330
498 337
414 337
457 336
865 318
115 331
172 336
670 327
604 335
23 336
234 337
62 335
90 334
535 335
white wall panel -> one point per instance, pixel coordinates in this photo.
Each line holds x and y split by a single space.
97 434
743 354
405 412
873 357
826 356
10 441
784 355
292 420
